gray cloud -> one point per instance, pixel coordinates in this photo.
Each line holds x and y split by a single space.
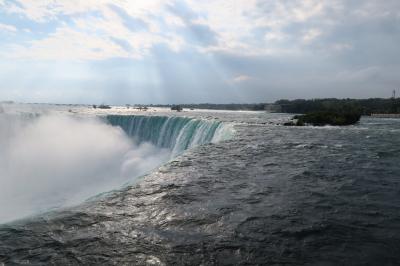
132 23
122 43
288 49
201 34
182 10
193 32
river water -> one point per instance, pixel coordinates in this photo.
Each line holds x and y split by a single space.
263 195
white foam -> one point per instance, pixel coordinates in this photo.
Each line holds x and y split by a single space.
59 160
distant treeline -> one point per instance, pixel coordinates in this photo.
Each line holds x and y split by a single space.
301 106
230 106
361 106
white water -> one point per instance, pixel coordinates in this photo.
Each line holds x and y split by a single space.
52 161
175 133
57 160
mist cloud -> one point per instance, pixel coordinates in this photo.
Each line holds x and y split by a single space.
58 160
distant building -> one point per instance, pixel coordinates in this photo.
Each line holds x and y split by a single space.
386 115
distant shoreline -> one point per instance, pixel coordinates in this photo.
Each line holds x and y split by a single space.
376 107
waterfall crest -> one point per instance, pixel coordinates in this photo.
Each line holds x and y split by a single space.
174 133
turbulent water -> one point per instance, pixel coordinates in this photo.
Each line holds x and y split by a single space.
175 133
54 160
269 195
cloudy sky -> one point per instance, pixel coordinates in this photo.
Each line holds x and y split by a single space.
170 51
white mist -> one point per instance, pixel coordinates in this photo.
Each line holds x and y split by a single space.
59 160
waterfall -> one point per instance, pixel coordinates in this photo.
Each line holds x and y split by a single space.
48 161
174 133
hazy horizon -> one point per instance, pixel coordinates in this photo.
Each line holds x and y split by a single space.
176 51
179 103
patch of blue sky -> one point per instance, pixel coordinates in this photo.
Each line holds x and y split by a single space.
28 29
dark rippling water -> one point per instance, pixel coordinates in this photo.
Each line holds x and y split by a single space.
273 195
